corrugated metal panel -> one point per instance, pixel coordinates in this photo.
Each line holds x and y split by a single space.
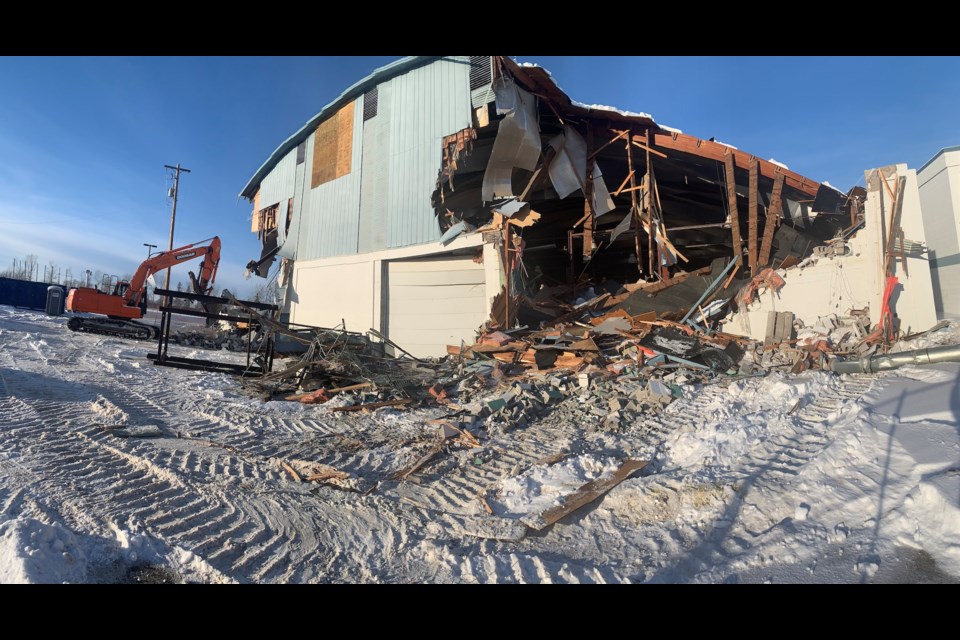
427 103
301 202
379 75
332 221
375 183
277 186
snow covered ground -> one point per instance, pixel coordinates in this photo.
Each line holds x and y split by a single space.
114 470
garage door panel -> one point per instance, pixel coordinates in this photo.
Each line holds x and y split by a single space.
420 306
451 292
435 302
445 321
445 264
435 278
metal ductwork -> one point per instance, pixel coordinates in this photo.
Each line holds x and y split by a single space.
888 361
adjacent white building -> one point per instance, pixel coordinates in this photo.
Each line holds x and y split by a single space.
939 181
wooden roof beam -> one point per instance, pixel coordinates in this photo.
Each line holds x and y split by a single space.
715 151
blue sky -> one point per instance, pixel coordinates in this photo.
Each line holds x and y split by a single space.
83 141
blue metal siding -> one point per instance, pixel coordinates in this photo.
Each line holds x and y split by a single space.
375 184
301 203
427 103
377 77
332 218
277 186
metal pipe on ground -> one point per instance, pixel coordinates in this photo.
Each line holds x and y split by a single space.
888 361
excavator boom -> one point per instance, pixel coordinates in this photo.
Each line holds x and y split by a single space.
128 301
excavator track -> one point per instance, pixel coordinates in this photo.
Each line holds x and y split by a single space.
120 328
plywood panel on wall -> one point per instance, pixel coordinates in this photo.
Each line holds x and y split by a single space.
333 147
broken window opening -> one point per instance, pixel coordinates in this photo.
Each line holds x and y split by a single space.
266 220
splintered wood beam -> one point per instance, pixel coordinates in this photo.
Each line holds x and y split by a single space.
634 206
753 201
588 201
649 149
624 183
620 134
772 220
583 496
650 187
732 205
548 157
374 405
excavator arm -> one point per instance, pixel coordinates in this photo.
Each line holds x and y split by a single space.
127 303
165 259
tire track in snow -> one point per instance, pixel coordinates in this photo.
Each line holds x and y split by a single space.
187 494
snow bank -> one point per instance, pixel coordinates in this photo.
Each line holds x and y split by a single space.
34 552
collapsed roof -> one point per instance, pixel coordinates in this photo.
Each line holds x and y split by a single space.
595 193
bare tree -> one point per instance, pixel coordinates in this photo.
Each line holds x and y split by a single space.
30 265
267 292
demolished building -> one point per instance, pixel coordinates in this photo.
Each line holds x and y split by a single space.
444 195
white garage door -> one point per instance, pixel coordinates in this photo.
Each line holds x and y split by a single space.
434 302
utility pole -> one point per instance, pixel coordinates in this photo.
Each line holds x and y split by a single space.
149 248
173 214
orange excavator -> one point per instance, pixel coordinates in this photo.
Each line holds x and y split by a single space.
127 303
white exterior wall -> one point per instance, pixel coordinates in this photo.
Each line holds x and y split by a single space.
857 280
939 182
353 289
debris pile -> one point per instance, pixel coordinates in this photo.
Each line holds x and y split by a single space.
214 338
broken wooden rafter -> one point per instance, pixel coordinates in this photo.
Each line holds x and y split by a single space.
624 183
620 134
335 390
648 149
634 205
717 151
374 405
772 220
588 222
651 182
544 167
732 205
584 495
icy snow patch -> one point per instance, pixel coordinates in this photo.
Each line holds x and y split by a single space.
38 553
541 487
779 164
